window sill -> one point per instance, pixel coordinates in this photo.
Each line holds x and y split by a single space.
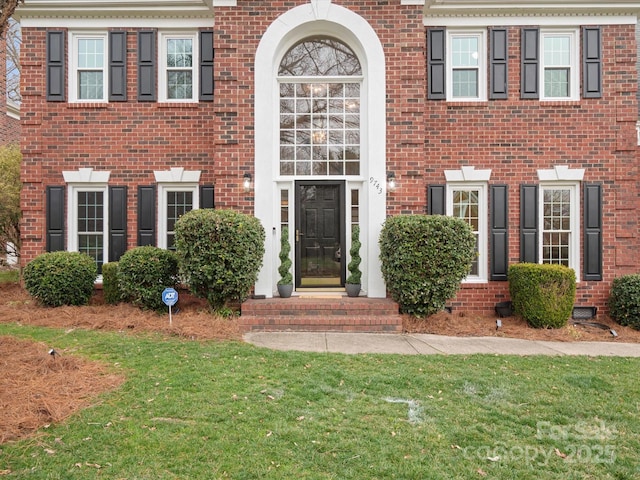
88 105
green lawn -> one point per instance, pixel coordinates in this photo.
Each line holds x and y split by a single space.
208 410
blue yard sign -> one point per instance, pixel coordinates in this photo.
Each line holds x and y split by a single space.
170 298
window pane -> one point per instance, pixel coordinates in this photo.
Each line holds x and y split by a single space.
90 85
465 51
179 84
90 53
556 226
557 50
179 52
465 83
556 82
90 210
178 203
319 57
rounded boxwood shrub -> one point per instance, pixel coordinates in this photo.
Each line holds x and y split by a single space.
424 259
61 278
624 300
220 254
143 273
542 294
110 285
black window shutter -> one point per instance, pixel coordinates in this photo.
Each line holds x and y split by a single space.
499 242
529 223
592 62
146 215
498 58
55 66
593 231
147 65
436 200
117 66
55 218
436 63
530 63
117 222
207 199
206 66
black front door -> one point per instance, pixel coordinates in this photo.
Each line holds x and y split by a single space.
319 234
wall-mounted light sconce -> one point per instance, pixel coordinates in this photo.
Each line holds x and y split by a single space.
391 181
246 182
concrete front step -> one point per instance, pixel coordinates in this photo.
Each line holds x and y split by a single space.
342 314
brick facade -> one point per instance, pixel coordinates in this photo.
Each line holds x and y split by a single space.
512 137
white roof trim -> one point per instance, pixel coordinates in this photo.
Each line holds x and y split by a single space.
560 173
86 175
177 175
467 174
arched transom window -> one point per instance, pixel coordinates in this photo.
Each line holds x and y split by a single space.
320 81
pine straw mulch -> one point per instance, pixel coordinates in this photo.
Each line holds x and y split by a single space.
38 388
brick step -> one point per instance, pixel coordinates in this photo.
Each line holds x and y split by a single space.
342 314
321 323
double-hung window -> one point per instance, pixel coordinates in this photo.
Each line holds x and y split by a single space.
467 70
178 80
559 69
559 211
178 193
88 75
468 202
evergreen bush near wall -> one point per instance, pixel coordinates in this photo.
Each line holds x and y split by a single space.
143 274
424 259
110 285
355 275
542 294
61 278
624 301
220 254
285 262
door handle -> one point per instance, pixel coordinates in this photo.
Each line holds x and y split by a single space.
298 235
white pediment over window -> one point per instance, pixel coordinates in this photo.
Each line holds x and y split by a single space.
86 175
561 173
467 174
177 175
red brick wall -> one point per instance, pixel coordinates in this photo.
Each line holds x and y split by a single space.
511 137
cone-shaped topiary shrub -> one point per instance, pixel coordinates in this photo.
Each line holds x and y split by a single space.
424 259
61 278
110 284
285 262
542 294
355 275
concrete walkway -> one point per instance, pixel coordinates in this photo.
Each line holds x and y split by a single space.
424 344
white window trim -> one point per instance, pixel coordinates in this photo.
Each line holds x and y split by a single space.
482 64
73 66
162 65
483 225
177 179
86 180
574 74
574 241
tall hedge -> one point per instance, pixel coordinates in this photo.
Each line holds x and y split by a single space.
220 254
542 294
424 259
61 278
143 273
624 300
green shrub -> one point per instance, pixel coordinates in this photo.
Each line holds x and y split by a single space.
61 278
355 275
285 262
624 301
542 294
143 273
220 253
424 259
110 285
